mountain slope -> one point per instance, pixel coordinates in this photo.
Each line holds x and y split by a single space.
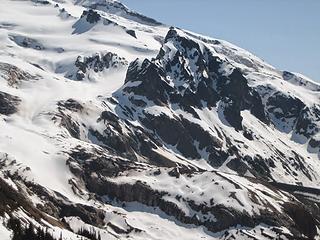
114 123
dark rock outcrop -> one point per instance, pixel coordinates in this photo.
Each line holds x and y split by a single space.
71 105
306 123
285 110
14 75
314 143
8 103
91 16
97 63
190 78
67 122
27 42
225 217
131 33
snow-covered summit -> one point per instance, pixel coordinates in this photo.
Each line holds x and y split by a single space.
117 8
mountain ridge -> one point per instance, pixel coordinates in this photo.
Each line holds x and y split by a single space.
116 124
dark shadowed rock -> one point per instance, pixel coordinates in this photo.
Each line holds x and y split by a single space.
66 121
284 110
238 165
314 143
14 75
303 219
8 103
96 63
91 16
131 33
27 42
71 105
307 121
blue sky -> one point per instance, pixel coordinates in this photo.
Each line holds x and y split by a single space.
285 33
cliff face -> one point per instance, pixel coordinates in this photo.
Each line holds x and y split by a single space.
115 126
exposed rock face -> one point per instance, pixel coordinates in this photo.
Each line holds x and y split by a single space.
71 105
215 217
105 177
171 95
182 133
132 33
314 143
27 42
96 63
300 81
127 140
8 103
173 80
284 109
63 117
43 2
14 75
91 16
307 124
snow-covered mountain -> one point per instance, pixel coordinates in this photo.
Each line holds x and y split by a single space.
115 126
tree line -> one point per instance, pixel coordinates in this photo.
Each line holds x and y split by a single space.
32 233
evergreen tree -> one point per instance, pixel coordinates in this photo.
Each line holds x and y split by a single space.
29 233
19 233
